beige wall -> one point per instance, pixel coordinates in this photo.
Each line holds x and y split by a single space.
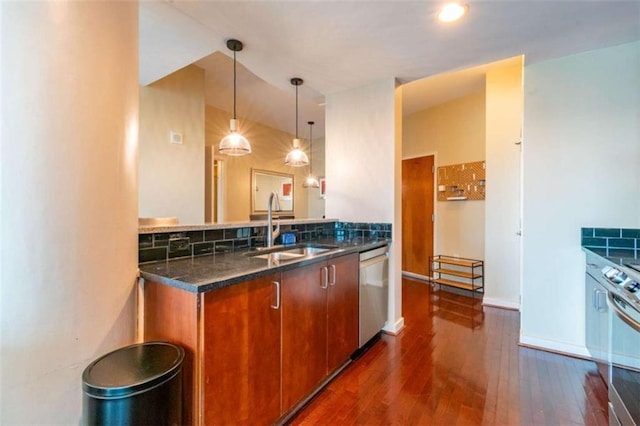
314 199
269 148
502 222
69 226
455 133
171 175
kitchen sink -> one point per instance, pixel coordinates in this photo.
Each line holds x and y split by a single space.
285 253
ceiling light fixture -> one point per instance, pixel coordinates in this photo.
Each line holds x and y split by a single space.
311 181
296 157
234 143
452 12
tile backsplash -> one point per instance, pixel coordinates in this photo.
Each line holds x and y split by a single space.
171 245
612 242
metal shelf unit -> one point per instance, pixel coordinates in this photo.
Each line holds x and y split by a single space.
459 272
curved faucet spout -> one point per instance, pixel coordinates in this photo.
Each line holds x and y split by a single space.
271 234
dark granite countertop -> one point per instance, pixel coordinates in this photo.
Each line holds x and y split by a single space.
199 274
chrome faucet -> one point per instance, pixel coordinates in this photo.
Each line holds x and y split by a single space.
271 234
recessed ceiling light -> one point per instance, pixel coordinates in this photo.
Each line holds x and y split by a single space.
452 12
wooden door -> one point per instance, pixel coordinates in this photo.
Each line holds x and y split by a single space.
304 332
342 310
417 211
242 353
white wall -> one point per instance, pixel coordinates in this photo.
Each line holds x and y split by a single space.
504 98
69 239
171 175
581 156
363 167
359 147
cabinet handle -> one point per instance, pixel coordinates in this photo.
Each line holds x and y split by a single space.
601 307
325 277
333 275
277 305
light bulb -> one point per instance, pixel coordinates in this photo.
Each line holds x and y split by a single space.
452 12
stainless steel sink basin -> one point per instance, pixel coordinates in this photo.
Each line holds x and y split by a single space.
279 255
284 253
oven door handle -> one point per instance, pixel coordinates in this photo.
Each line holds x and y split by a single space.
613 303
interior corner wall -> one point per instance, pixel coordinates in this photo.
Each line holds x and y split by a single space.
363 167
581 156
359 147
504 104
172 175
69 196
455 132
269 148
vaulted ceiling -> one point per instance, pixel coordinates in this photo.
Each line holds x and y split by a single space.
338 45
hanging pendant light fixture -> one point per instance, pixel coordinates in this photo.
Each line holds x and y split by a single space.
311 181
234 143
296 157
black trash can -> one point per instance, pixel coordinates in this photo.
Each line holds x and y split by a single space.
139 384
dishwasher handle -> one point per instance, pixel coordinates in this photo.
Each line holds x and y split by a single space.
375 260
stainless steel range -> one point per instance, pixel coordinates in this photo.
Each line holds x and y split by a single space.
619 286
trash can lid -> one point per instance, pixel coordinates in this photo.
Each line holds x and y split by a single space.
132 369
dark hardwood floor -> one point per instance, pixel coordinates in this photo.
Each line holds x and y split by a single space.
458 363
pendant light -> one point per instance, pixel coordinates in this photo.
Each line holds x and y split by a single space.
311 181
234 143
296 157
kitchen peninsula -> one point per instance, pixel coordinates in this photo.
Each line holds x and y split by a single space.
263 329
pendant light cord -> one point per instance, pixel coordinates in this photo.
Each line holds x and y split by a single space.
234 84
296 112
311 149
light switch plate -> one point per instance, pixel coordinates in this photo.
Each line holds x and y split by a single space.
175 137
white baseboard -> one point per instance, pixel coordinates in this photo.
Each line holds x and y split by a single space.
415 276
554 346
500 303
395 329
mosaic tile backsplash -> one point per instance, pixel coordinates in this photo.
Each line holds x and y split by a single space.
612 242
171 245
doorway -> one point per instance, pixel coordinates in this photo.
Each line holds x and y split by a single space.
213 188
417 215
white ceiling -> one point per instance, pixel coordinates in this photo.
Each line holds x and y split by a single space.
339 45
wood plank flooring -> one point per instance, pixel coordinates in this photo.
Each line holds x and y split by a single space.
458 363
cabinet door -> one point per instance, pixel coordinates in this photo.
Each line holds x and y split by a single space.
304 332
342 310
242 353
597 324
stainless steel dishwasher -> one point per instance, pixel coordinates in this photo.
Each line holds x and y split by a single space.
374 292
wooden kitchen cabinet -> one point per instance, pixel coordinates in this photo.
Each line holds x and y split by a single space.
319 324
304 332
231 337
256 349
241 355
342 310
